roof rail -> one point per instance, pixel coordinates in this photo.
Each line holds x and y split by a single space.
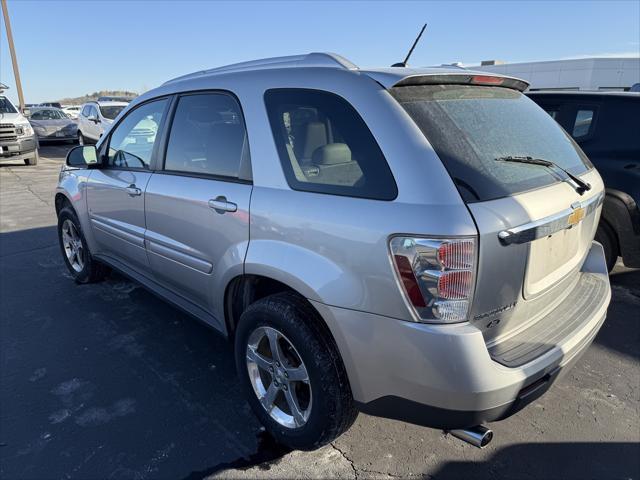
314 59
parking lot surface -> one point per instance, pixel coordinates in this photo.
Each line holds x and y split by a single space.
108 381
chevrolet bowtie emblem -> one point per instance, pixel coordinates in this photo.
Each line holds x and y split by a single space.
576 216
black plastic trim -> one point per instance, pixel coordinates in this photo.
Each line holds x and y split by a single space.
409 411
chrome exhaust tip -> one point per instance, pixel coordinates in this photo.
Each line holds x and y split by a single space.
478 436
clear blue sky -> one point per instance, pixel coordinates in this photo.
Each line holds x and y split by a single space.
70 48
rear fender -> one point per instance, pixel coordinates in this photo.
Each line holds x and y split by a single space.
305 271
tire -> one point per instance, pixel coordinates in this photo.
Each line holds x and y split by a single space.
33 160
81 139
607 237
86 270
330 405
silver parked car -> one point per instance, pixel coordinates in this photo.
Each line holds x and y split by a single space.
52 124
95 118
412 243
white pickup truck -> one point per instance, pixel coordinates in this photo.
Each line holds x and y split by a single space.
17 140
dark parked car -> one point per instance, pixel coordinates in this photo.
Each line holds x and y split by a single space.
606 125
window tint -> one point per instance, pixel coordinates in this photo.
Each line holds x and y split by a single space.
470 127
325 146
132 141
208 136
583 123
111 111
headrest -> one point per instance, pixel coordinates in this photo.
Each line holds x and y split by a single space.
316 136
332 154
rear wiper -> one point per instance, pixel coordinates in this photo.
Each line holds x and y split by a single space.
580 185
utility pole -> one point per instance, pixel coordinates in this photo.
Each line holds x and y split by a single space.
12 49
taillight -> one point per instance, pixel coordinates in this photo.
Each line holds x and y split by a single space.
487 80
436 275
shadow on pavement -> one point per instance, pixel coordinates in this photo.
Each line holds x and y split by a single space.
565 461
106 380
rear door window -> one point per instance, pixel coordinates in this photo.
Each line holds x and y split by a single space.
325 146
470 127
208 137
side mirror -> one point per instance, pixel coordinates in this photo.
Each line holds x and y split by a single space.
82 156
93 119
26 112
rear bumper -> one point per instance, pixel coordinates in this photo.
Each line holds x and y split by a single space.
18 149
444 376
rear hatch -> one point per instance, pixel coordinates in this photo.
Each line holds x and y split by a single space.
535 223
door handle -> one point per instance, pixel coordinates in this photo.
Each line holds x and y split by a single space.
133 191
220 205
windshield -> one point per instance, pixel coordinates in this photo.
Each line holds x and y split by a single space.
110 112
48 115
5 106
470 127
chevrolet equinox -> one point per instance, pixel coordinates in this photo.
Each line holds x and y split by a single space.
411 243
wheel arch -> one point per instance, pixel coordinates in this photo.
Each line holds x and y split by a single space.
60 201
622 215
246 289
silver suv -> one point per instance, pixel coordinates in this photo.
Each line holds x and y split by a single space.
411 243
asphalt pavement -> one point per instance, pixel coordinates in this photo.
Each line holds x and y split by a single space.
108 381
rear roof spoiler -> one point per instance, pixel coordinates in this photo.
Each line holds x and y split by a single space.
391 79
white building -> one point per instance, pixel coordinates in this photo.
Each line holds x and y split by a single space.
578 74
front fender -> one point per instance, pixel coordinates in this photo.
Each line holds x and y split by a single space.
309 273
72 185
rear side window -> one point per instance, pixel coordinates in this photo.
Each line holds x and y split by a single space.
325 146
208 137
582 123
470 127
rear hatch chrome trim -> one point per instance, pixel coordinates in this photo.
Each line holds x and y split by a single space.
554 223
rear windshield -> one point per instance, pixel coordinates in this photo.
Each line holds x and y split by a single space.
470 127
110 112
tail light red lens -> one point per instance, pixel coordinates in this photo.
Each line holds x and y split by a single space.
409 281
436 276
455 285
457 255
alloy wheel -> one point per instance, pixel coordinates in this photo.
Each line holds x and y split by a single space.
279 377
72 244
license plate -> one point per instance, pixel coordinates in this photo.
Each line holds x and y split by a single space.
59 134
